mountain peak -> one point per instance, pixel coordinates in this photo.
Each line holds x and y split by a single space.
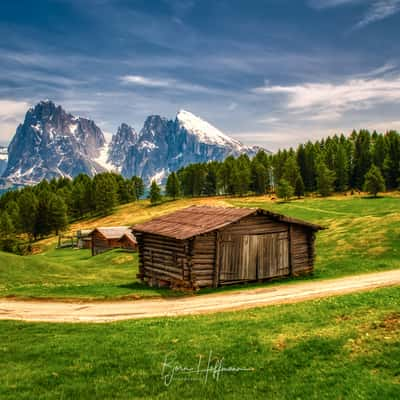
205 132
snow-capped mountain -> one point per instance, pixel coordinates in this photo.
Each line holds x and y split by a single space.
3 159
165 145
52 143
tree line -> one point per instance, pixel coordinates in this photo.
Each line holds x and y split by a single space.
48 207
362 161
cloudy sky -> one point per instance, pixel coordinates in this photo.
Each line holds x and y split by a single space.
268 72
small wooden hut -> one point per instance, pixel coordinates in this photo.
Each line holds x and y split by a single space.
212 246
84 238
104 239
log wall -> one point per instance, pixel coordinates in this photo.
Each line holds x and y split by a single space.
302 249
163 261
203 260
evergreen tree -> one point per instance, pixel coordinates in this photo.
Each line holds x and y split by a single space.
391 164
105 193
173 186
291 171
12 210
57 210
155 193
325 179
259 177
374 182
28 206
299 186
341 170
138 186
284 190
7 232
211 180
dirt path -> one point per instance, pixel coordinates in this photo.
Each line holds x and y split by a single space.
122 310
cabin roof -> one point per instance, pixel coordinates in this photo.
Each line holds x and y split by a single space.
113 232
130 236
197 220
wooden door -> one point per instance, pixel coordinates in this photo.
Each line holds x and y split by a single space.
252 257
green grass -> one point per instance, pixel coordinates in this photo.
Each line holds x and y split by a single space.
363 235
68 273
345 347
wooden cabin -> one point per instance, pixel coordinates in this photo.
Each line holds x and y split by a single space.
84 239
104 239
128 241
213 246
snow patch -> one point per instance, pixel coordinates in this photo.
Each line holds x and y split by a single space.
72 128
103 160
159 176
147 145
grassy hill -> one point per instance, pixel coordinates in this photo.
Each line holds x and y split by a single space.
363 235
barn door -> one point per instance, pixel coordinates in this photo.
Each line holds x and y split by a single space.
238 258
252 257
273 255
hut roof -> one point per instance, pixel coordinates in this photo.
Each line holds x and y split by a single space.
130 236
84 232
114 232
197 220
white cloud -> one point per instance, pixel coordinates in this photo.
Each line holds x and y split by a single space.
321 4
172 84
378 11
330 100
11 113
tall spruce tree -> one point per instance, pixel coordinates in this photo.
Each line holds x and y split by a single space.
105 193
155 193
172 187
325 179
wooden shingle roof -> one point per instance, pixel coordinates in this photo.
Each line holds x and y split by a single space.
197 220
114 232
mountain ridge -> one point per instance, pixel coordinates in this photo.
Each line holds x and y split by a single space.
52 142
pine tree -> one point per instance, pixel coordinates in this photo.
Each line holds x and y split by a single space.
155 193
374 182
284 190
7 232
173 186
28 206
325 179
138 185
259 177
105 193
12 210
57 213
341 170
299 186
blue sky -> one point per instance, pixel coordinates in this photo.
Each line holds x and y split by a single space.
267 72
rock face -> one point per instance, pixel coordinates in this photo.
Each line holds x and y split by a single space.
3 159
120 144
52 143
165 145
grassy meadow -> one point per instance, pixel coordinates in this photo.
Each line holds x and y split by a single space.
344 347
363 235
